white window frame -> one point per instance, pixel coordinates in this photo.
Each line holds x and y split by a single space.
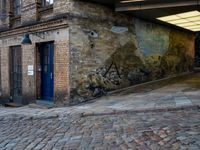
46 3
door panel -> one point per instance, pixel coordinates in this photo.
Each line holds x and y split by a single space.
47 79
16 74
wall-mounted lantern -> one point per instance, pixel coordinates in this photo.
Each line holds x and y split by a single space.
26 38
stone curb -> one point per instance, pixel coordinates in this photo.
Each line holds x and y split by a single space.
152 110
14 117
114 112
160 83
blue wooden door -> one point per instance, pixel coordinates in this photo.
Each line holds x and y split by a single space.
47 77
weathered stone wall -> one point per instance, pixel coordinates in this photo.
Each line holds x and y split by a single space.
103 60
166 51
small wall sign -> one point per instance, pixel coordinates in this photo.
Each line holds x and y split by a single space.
119 30
30 70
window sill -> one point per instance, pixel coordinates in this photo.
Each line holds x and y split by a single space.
16 18
46 9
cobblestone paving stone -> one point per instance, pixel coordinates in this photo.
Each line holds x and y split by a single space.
171 130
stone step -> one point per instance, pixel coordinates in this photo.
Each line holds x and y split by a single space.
13 105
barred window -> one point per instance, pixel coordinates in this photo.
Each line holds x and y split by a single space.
16 7
46 2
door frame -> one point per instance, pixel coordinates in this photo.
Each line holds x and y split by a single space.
11 82
38 71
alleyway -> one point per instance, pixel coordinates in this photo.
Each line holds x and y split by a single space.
165 118
99 75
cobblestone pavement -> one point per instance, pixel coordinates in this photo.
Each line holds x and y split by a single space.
120 121
143 131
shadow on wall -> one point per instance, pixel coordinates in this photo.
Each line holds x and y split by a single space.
124 68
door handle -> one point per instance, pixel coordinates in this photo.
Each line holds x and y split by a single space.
51 75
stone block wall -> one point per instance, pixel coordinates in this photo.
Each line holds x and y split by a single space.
103 58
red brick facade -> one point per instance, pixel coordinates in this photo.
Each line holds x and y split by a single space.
50 28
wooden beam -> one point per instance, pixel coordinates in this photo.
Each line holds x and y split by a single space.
143 6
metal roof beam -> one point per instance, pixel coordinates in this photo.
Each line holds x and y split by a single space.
131 6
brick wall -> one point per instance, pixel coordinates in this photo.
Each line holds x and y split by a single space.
61 71
5 80
5 20
61 62
62 6
29 11
28 82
